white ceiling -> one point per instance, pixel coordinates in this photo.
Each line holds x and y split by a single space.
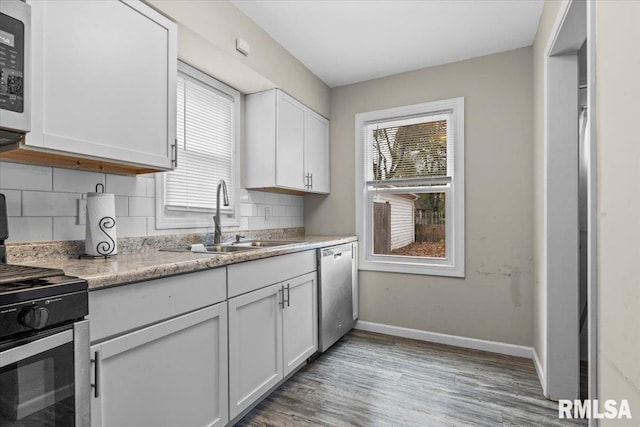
348 41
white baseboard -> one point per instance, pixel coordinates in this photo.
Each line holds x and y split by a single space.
457 341
540 371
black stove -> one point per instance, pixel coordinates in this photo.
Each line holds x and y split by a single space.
34 299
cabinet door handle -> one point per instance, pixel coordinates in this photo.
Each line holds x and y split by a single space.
288 295
175 153
311 179
281 297
96 374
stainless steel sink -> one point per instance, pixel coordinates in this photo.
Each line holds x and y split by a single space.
229 249
265 243
217 249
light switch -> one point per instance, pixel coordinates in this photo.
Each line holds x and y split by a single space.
242 46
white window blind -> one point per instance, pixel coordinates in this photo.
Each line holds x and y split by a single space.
407 150
205 133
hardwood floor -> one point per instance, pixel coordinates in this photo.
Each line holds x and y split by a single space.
369 379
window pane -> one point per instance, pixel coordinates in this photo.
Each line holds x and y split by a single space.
205 130
409 224
409 151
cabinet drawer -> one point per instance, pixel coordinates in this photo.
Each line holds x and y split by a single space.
249 276
120 309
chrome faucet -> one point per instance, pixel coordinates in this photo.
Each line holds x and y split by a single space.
216 219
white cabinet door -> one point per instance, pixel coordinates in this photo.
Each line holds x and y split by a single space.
287 144
300 320
170 374
255 346
104 76
355 291
317 153
290 142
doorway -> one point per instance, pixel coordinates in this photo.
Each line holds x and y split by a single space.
569 206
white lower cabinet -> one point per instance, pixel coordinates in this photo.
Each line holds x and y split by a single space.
255 346
172 373
300 321
272 331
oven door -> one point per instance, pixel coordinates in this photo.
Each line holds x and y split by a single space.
45 379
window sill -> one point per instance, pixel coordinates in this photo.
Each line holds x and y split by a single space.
412 268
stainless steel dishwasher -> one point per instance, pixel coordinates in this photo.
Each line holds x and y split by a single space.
334 294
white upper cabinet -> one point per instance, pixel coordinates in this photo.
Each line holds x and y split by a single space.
287 145
104 82
317 153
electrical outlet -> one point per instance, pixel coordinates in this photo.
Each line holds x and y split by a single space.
82 212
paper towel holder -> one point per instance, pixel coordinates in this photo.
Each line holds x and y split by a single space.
104 247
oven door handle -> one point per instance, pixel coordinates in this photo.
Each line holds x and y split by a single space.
34 348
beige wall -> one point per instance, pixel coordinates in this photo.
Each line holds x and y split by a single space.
494 301
207 32
547 20
618 129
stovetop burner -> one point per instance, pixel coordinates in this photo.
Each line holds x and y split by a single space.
10 273
20 283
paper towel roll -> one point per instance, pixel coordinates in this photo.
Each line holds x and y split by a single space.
101 225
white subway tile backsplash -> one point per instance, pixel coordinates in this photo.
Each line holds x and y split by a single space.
243 196
126 185
152 231
256 223
39 203
151 186
129 226
42 204
29 229
272 222
14 201
66 228
279 210
25 177
246 209
256 196
259 210
73 181
141 206
295 211
272 198
244 223
122 206
285 199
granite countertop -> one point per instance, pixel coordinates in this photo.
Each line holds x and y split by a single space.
153 264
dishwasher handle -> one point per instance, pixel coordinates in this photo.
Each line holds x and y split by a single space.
336 251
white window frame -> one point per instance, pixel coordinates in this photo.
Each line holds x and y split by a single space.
167 218
454 263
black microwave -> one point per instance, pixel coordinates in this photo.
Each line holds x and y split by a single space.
15 59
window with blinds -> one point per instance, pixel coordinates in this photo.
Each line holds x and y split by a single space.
411 150
205 137
411 203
